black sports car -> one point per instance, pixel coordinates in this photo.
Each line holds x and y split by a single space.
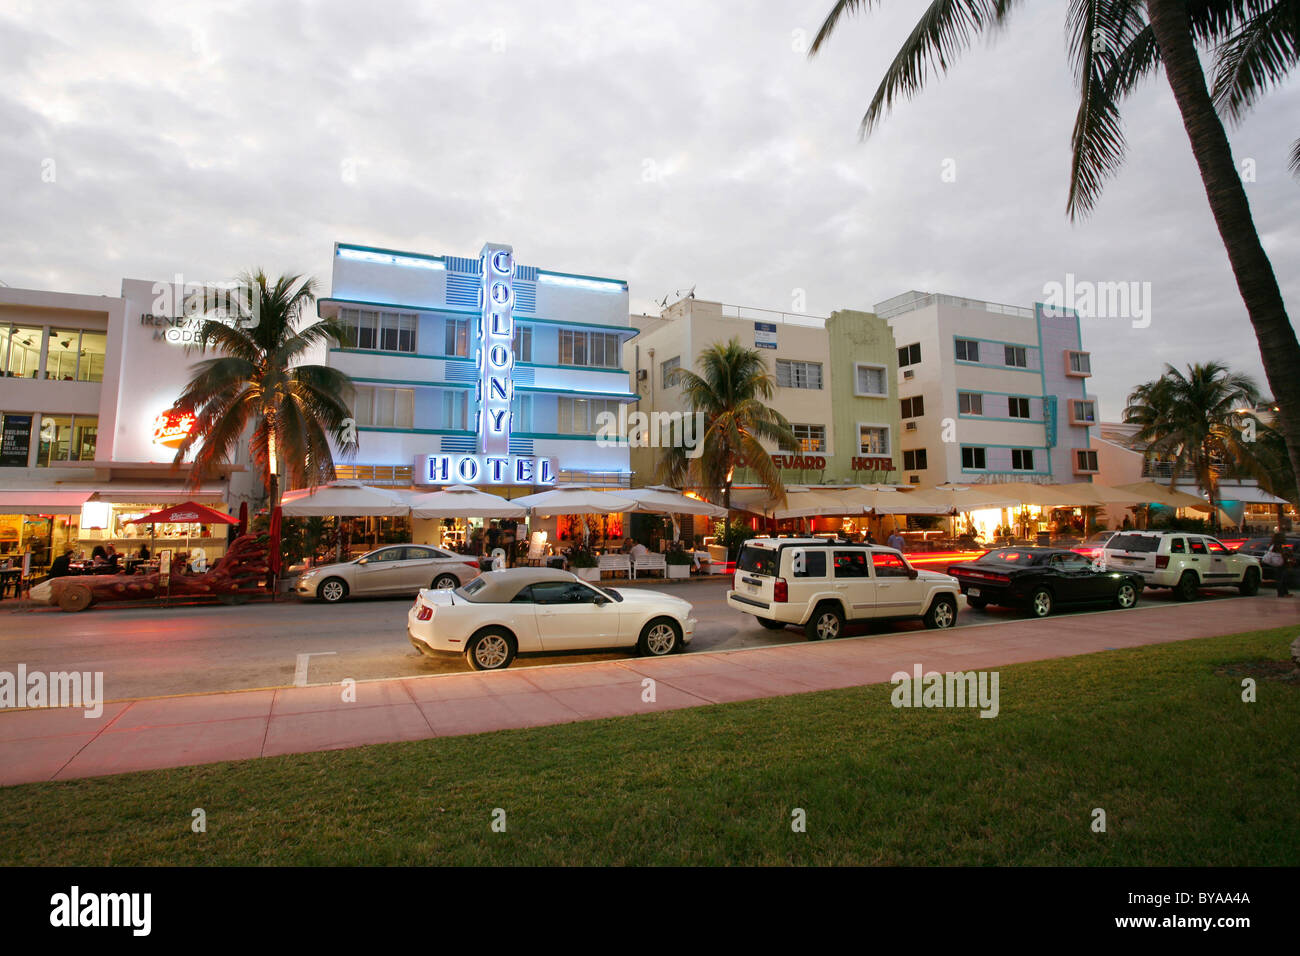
1038 579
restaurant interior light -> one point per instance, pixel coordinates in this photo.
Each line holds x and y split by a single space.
95 514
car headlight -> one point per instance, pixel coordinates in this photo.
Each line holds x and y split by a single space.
307 575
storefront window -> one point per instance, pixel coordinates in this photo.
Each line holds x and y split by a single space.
67 438
75 355
20 350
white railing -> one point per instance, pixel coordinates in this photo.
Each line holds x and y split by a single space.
910 302
771 315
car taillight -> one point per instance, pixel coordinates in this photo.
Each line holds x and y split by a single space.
780 591
1162 560
424 613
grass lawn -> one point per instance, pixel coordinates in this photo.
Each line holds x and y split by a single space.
1157 736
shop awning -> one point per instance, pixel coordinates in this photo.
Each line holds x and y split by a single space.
346 499
40 502
1246 494
463 501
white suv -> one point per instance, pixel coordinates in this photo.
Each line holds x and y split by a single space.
821 584
1183 561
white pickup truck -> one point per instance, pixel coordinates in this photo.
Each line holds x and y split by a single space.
820 585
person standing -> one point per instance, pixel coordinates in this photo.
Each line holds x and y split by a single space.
896 541
1282 564
60 567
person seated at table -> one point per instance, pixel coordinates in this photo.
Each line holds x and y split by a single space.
113 559
638 551
143 553
99 554
628 544
60 568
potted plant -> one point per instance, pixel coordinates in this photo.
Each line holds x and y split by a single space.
679 563
583 563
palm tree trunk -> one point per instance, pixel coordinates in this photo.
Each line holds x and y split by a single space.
1256 281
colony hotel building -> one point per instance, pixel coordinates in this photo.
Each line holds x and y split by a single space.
479 370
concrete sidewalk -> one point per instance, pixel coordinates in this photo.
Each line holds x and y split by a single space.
181 731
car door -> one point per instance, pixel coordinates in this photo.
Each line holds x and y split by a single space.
416 569
897 594
851 582
568 617
1076 579
382 571
1225 567
1198 559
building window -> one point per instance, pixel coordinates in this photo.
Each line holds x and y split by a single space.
909 355
1016 356
67 438
523 343
811 437
457 338
914 460
589 349
1022 459
1078 363
384 407
970 403
666 369
972 458
521 413
968 350
20 350
377 331
1085 461
455 409
75 355
1083 412
913 407
1018 407
873 440
791 374
581 416
871 381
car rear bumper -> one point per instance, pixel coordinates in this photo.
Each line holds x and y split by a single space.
787 613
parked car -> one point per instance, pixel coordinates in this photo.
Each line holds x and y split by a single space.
1039 579
1183 561
531 610
1255 547
393 569
820 585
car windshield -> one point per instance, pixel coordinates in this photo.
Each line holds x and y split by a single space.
1141 543
1009 556
757 560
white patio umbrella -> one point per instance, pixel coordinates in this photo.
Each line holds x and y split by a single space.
661 499
574 501
347 499
463 501
958 498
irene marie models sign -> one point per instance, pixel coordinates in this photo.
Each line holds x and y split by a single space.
492 464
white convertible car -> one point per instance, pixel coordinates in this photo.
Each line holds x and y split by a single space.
529 610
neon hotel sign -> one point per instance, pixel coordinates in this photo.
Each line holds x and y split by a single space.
492 464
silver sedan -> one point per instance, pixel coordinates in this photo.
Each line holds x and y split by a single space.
393 569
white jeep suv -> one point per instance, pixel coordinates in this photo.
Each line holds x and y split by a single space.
1183 561
820 584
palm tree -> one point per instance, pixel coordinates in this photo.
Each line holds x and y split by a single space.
1196 421
1114 44
291 408
732 390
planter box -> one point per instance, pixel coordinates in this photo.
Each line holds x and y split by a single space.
588 574
679 570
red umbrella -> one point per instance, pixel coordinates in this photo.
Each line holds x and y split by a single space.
188 513
243 518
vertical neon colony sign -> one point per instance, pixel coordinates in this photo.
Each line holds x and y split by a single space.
493 464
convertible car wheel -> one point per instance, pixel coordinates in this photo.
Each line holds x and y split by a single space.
659 638
490 651
1126 596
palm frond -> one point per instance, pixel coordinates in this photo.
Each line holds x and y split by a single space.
1256 57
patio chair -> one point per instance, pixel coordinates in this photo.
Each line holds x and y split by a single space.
650 562
614 563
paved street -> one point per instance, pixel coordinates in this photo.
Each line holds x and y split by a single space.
151 652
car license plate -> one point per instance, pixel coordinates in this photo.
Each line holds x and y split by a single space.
973 592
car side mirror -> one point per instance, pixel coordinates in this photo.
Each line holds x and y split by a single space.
363 560
913 574
601 601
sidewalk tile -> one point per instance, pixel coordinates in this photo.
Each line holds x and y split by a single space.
333 729
193 710
329 697
34 759
179 745
56 721
472 715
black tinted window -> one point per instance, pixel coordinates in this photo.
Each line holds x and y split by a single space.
809 564
851 564
1141 543
757 561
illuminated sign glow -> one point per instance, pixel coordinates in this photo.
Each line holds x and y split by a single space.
492 463
171 428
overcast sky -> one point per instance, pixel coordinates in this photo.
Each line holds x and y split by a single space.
671 144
